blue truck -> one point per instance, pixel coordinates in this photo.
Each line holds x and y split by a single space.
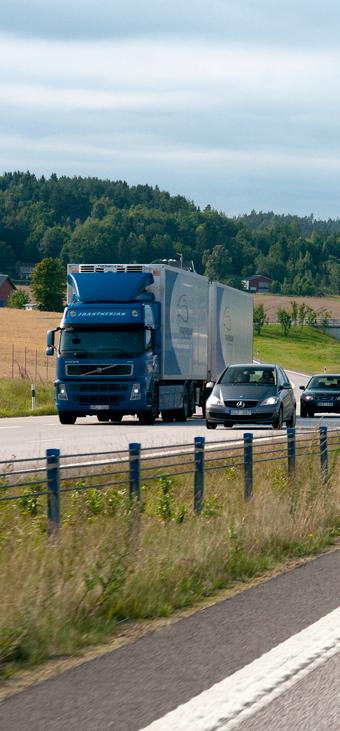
144 339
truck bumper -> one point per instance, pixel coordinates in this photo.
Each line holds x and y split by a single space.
98 397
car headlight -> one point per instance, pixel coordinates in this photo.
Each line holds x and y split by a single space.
270 401
135 391
62 393
309 398
215 400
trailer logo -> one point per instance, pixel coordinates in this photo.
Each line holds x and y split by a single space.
183 313
227 325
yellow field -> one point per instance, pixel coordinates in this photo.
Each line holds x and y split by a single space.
272 302
23 343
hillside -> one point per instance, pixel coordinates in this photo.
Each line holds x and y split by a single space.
306 350
272 302
87 219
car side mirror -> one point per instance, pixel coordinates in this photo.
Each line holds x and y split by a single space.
210 384
302 388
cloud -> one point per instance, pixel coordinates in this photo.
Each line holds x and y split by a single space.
294 22
236 104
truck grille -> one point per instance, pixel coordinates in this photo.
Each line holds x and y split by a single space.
98 393
99 370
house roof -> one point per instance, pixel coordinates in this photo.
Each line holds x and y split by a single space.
259 276
4 277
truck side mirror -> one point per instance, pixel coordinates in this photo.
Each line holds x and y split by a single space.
50 342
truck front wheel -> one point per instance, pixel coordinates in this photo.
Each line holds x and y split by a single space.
149 417
67 417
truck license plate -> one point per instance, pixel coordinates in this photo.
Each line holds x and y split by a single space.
240 412
99 407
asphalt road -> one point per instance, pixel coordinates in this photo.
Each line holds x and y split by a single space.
130 688
31 436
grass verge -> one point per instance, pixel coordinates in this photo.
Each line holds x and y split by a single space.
115 563
304 349
15 398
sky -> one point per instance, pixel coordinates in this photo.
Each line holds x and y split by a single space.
232 103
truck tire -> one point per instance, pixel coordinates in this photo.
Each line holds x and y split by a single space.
115 417
149 417
183 413
192 399
168 416
103 416
67 417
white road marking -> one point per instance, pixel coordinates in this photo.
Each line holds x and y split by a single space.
226 704
10 427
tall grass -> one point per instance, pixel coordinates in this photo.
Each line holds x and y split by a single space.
15 398
115 562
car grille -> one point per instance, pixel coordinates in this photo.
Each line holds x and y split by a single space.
326 397
101 371
98 393
248 404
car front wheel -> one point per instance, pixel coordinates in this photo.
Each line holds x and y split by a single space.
292 421
277 424
210 425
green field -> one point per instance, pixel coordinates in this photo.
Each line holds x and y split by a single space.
304 349
15 398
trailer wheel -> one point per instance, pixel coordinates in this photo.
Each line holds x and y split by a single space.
183 413
67 417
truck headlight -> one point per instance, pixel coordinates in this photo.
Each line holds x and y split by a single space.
135 391
62 393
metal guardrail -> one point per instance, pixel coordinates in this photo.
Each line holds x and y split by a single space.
53 475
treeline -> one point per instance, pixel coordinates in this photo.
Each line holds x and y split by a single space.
88 219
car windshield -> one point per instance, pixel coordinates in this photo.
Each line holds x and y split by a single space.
88 342
253 375
325 382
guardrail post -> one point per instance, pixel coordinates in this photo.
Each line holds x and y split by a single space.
199 474
291 450
324 453
134 457
53 492
248 465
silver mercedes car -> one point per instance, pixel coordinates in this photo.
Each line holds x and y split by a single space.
247 393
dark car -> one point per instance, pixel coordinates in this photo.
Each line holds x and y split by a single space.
251 394
322 394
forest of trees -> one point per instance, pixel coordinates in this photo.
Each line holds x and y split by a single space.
88 219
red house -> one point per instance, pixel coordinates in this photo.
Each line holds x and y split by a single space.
6 288
258 283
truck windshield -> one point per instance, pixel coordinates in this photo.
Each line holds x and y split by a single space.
93 343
